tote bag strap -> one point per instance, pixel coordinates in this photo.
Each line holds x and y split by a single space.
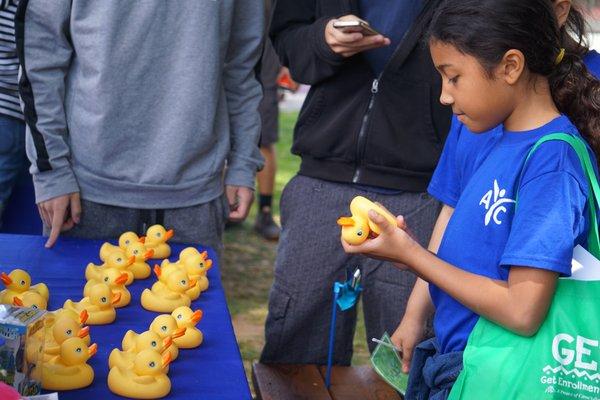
594 196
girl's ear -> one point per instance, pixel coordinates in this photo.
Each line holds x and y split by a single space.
511 67
562 9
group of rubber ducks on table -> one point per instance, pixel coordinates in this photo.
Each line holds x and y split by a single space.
140 369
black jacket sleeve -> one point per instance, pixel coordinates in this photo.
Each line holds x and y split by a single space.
299 39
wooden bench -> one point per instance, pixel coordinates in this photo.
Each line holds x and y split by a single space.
286 382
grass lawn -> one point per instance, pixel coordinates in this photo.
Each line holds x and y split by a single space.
247 266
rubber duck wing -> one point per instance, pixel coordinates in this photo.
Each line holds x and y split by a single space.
41 289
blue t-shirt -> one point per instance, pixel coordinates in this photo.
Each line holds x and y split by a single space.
390 18
486 236
592 61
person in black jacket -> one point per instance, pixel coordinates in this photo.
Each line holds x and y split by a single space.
371 125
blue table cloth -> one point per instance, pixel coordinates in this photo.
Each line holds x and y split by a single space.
212 371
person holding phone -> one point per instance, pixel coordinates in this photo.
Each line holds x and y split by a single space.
371 125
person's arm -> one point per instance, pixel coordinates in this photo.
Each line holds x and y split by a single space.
243 93
419 307
311 48
45 51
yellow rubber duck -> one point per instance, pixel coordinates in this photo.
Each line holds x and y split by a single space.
17 283
115 280
156 238
186 318
165 297
143 341
68 370
117 260
99 305
52 316
196 265
30 299
125 240
164 326
163 272
140 268
357 228
146 380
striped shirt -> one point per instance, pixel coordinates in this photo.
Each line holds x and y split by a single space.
9 62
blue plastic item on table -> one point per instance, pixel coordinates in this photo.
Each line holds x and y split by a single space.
212 371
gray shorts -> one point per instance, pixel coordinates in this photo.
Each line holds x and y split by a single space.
310 259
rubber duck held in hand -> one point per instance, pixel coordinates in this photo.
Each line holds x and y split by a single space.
186 318
17 283
164 326
69 370
143 341
125 240
146 380
115 280
99 305
140 268
156 238
165 297
116 260
357 228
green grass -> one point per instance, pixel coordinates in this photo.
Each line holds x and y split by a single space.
248 260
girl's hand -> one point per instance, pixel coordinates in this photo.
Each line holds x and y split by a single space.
393 244
408 334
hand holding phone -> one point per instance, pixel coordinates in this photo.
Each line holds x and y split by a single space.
350 35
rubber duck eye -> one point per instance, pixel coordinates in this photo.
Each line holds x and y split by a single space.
157 234
153 344
152 364
179 316
135 252
119 259
78 350
69 332
34 306
183 282
106 279
359 233
163 328
103 299
127 242
22 283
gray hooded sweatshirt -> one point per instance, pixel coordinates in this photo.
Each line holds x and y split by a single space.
140 104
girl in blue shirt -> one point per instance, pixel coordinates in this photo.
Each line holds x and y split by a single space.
504 63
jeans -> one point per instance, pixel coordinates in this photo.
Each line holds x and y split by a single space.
13 159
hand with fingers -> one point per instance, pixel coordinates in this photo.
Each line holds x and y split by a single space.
240 199
60 214
393 244
348 44
409 333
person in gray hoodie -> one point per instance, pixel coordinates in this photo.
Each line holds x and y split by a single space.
141 112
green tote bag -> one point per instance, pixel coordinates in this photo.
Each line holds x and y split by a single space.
562 360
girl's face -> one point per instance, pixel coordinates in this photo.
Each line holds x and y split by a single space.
479 101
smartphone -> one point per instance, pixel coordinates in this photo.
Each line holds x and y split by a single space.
352 26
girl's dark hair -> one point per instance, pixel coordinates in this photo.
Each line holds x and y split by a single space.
487 29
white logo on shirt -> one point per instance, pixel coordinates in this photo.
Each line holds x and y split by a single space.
495 195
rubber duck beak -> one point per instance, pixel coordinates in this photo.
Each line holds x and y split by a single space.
179 332
166 359
196 317
5 279
204 254
209 264
148 254
121 279
116 298
83 317
142 239
169 234
83 332
168 341
130 261
93 349
192 283
17 302
157 270
345 221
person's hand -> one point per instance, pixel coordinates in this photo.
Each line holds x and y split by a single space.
240 199
394 244
349 44
60 214
408 334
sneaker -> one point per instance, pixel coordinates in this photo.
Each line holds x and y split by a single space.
266 227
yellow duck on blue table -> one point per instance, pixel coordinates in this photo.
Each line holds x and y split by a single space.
18 282
156 238
146 380
143 341
140 268
116 260
186 318
125 240
115 280
99 305
165 297
164 326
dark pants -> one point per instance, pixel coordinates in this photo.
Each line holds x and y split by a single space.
202 224
310 259
432 375
13 159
